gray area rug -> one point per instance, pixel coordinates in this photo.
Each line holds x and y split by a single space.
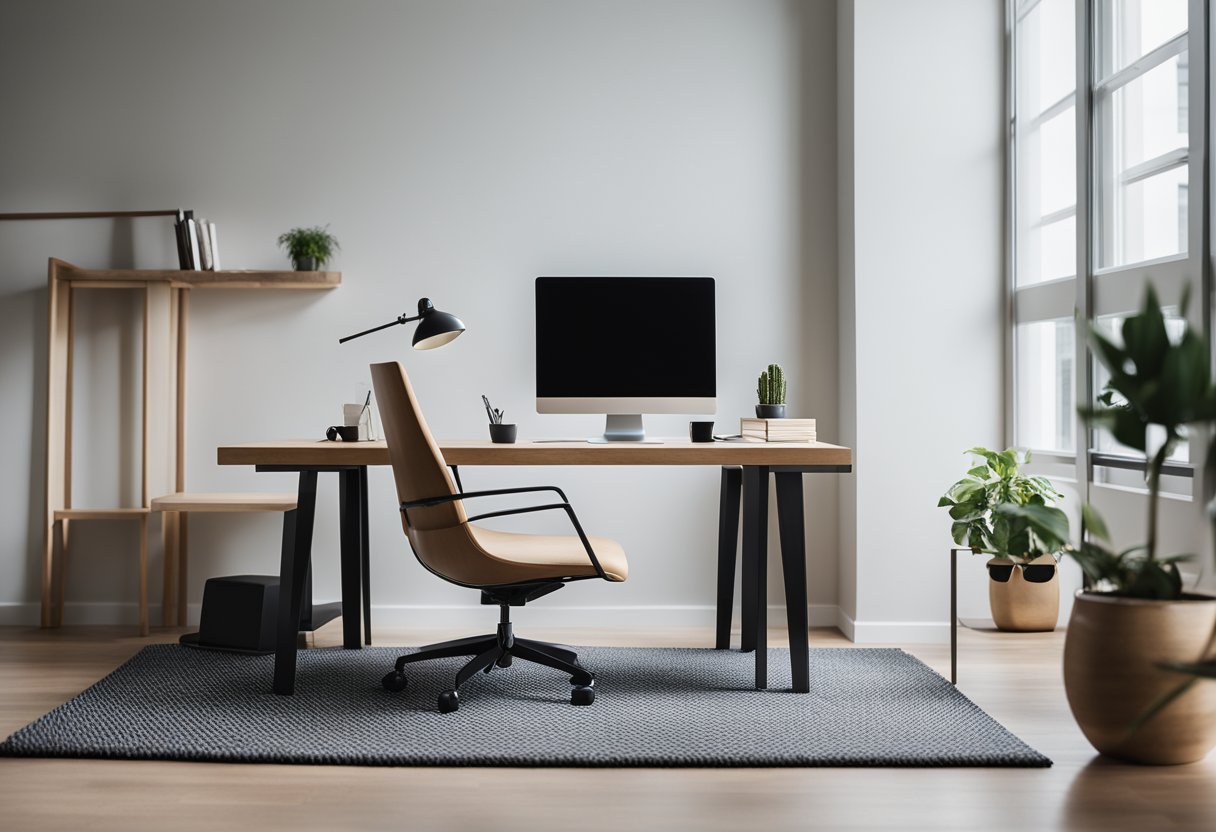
654 707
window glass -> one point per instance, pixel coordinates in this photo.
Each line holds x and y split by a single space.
1045 415
1148 116
1058 162
1136 27
1046 185
1145 219
1046 59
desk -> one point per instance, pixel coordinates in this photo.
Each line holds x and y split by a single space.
787 462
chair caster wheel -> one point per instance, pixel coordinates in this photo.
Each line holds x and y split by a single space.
394 681
582 695
449 701
504 660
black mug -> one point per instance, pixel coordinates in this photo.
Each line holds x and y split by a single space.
347 433
701 431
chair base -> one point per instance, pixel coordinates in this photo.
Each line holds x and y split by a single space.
498 649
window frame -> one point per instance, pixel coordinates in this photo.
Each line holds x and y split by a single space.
1093 292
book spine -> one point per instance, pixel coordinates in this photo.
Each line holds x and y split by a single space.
204 245
179 234
215 248
192 233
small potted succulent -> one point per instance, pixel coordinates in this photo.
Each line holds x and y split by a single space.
771 393
309 248
998 511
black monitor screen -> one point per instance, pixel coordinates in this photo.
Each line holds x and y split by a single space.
612 337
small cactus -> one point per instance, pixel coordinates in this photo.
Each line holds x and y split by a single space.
771 387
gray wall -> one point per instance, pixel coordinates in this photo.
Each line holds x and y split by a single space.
920 295
457 149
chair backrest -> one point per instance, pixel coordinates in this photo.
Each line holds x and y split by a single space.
418 465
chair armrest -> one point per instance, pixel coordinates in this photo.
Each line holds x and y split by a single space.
566 507
428 502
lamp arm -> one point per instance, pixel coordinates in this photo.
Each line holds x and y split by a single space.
402 319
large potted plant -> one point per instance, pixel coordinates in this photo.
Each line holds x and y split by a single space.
998 511
1136 628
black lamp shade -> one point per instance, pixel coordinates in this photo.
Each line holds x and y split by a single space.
436 329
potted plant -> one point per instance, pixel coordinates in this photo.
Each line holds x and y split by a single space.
771 393
309 248
998 511
1135 631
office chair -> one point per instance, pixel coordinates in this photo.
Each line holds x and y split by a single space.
509 569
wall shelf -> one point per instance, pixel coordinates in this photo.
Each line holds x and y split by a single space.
166 295
179 279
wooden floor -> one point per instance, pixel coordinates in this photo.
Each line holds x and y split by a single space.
1016 678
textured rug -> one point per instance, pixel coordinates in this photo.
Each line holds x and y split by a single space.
654 707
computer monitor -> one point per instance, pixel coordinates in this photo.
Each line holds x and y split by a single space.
624 346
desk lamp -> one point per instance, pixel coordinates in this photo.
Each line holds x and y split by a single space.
435 330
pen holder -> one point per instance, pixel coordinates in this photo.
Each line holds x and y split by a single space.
502 434
359 417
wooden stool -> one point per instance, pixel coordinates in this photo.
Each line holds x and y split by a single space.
177 508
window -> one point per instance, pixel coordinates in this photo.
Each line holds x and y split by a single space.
1045 387
1045 143
1141 126
1102 144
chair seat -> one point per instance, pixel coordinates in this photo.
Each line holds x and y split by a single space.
553 555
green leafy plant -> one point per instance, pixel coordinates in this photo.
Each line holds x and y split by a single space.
999 511
316 243
771 387
1154 383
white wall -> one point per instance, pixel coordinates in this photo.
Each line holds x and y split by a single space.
921 315
457 149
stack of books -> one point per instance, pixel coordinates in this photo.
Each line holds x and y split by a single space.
778 430
197 246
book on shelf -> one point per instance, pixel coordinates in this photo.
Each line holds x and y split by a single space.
215 247
204 245
778 430
183 241
192 242
197 249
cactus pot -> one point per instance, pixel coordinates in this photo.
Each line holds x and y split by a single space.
770 411
1112 654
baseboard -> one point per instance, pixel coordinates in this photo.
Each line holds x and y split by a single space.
892 632
87 613
404 616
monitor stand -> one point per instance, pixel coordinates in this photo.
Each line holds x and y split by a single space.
623 428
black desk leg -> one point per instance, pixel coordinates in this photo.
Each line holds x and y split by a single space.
755 551
293 577
350 523
954 616
792 528
728 549
365 550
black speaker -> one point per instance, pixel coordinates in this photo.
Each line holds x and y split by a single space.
239 614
